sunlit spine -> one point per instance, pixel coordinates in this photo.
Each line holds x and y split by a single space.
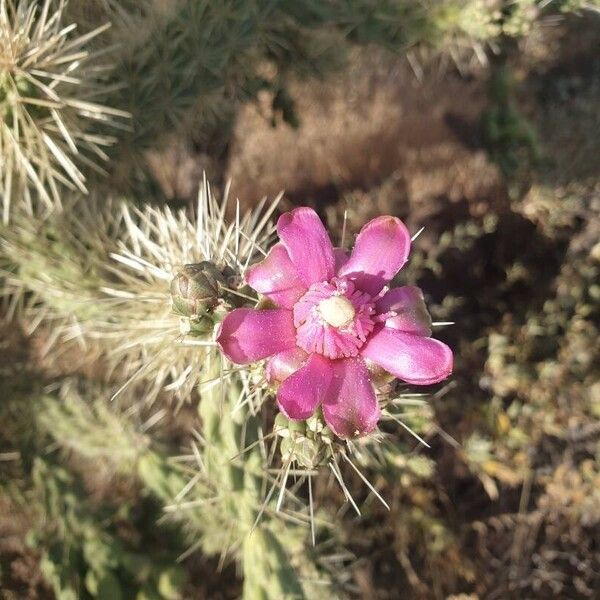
53 129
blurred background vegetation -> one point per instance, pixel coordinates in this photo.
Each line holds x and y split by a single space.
475 119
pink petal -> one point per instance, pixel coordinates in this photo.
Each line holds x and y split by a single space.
301 393
308 244
341 258
282 365
247 335
350 407
277 278
406 309
412 358
381 248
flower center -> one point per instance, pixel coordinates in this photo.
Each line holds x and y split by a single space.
337 311
333 319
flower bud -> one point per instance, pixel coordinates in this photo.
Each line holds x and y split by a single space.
197 289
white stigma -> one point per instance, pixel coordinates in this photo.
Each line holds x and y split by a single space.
337 311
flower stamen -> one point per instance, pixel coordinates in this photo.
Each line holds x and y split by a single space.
333 319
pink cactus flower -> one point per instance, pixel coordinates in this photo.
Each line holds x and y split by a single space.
335 322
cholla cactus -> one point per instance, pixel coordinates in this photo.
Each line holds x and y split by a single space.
50 125
216 494
100 276
156 293
241 516
79 418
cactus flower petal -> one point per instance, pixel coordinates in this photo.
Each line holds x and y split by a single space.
341 258
412 358
308 244
404 308
277 278
350 406
380 251
301 393
282 365
248 335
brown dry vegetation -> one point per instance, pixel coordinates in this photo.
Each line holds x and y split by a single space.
373 130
